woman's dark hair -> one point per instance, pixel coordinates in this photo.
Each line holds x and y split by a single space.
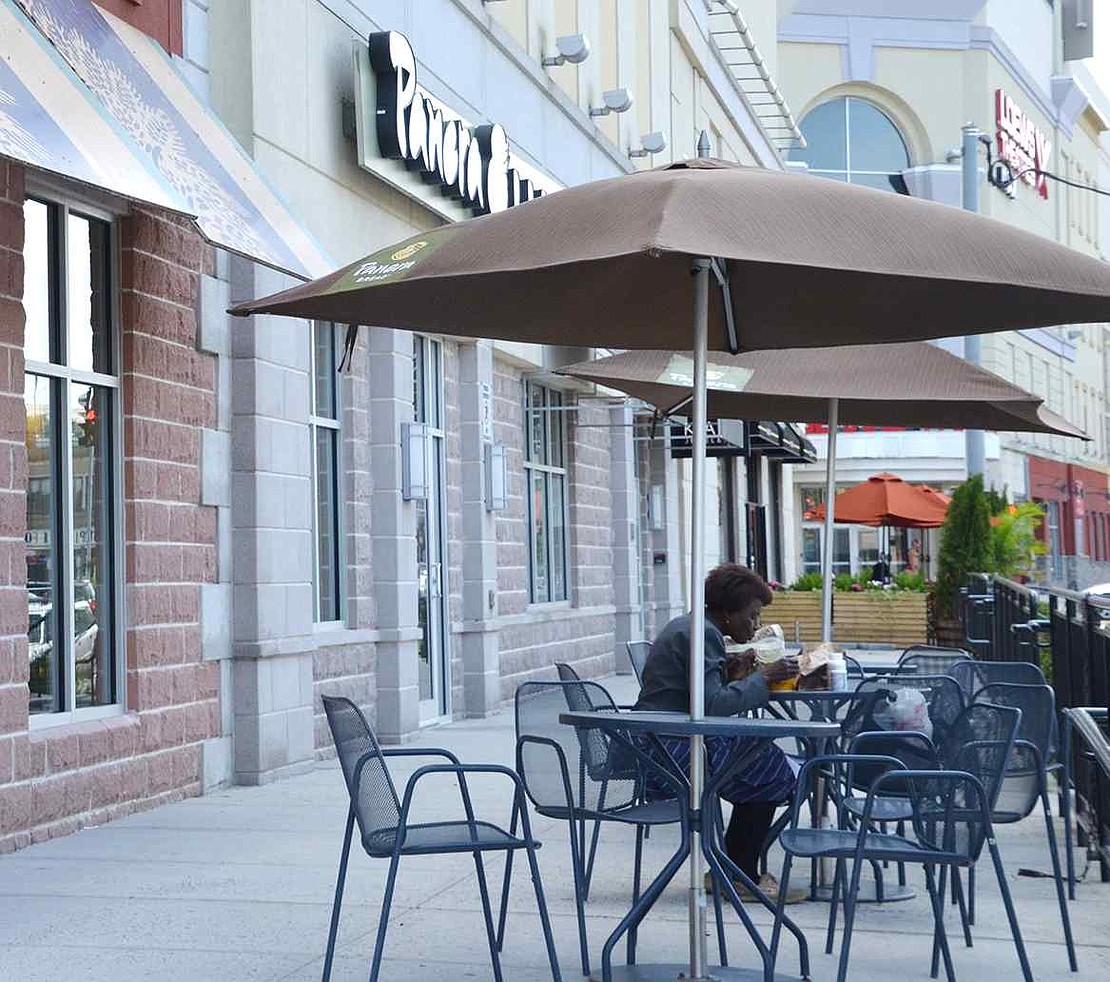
731 587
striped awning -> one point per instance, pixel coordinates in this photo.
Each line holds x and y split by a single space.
86 96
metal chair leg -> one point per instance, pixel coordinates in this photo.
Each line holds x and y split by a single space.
1058 876
940 938
1011 915
780 906
971 895
487 916
503 915
341 880
383 919
838 882
1066 795
579 899
541 903
958 891
850 895
636 872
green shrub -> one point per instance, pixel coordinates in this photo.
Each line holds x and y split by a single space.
843 581
807 582
965 542
910 581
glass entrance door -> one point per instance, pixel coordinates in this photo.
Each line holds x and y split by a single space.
431 566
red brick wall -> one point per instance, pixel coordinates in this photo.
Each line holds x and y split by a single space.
15 800
54 780
160 19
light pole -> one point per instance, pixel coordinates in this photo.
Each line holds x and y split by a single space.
973 345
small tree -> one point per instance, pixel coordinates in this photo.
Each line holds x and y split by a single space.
965 542
1014 541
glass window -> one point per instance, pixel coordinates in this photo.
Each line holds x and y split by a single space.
70 402
545 467
324 423
852 140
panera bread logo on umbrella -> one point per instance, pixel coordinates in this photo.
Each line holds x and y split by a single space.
722 378
390 263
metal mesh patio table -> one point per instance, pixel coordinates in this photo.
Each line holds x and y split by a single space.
639 734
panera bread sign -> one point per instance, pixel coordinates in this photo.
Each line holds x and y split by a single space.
420 146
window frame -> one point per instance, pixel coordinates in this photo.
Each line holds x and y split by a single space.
62 205
533 467
847 170
333 424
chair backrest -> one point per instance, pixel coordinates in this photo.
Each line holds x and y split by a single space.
638 652
944 701
948 809
930 660
566 673
980 742
974 674
599 775
372 791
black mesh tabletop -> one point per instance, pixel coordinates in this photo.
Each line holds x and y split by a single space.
681 725
812 696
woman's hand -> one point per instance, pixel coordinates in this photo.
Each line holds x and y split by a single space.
739 665
780 671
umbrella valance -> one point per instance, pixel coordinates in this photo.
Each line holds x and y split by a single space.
907 384
809 263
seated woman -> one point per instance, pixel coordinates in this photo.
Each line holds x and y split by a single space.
734 596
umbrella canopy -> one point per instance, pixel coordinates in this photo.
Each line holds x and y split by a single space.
808 263
885 499
908 384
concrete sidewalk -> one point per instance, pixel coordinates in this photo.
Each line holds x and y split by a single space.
238 885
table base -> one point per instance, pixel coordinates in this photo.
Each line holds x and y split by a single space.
673 973
868 893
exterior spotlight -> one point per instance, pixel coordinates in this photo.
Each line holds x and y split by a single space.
650 143
615 101
572 48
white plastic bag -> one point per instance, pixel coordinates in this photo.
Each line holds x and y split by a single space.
907 711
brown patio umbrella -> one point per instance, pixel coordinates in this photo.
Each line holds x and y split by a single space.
885 499
800 262
906 384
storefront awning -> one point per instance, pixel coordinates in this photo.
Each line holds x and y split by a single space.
780 441
85 95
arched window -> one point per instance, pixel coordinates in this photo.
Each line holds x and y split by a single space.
851 140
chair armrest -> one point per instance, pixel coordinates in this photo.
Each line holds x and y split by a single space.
460 771
835 759
421 752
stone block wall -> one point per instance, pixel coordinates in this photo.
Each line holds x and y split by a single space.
579 631
55 779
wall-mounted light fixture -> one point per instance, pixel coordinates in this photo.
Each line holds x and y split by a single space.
572 48
650 143
614 101
416 461
497 477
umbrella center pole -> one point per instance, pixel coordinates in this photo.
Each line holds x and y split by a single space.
697 919
830 508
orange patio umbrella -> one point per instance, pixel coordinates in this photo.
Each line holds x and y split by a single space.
885 499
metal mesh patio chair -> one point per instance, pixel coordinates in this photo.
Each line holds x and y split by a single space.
929 660
973 675
638 652
949 825
1026 780
578 775
386 833
865 732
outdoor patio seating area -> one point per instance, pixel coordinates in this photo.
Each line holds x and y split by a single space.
238 884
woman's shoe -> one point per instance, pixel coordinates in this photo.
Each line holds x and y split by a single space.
768 885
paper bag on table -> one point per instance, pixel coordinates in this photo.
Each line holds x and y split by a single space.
813 668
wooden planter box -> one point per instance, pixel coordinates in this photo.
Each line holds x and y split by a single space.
869 616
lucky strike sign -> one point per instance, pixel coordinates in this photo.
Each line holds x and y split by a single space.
1023 145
